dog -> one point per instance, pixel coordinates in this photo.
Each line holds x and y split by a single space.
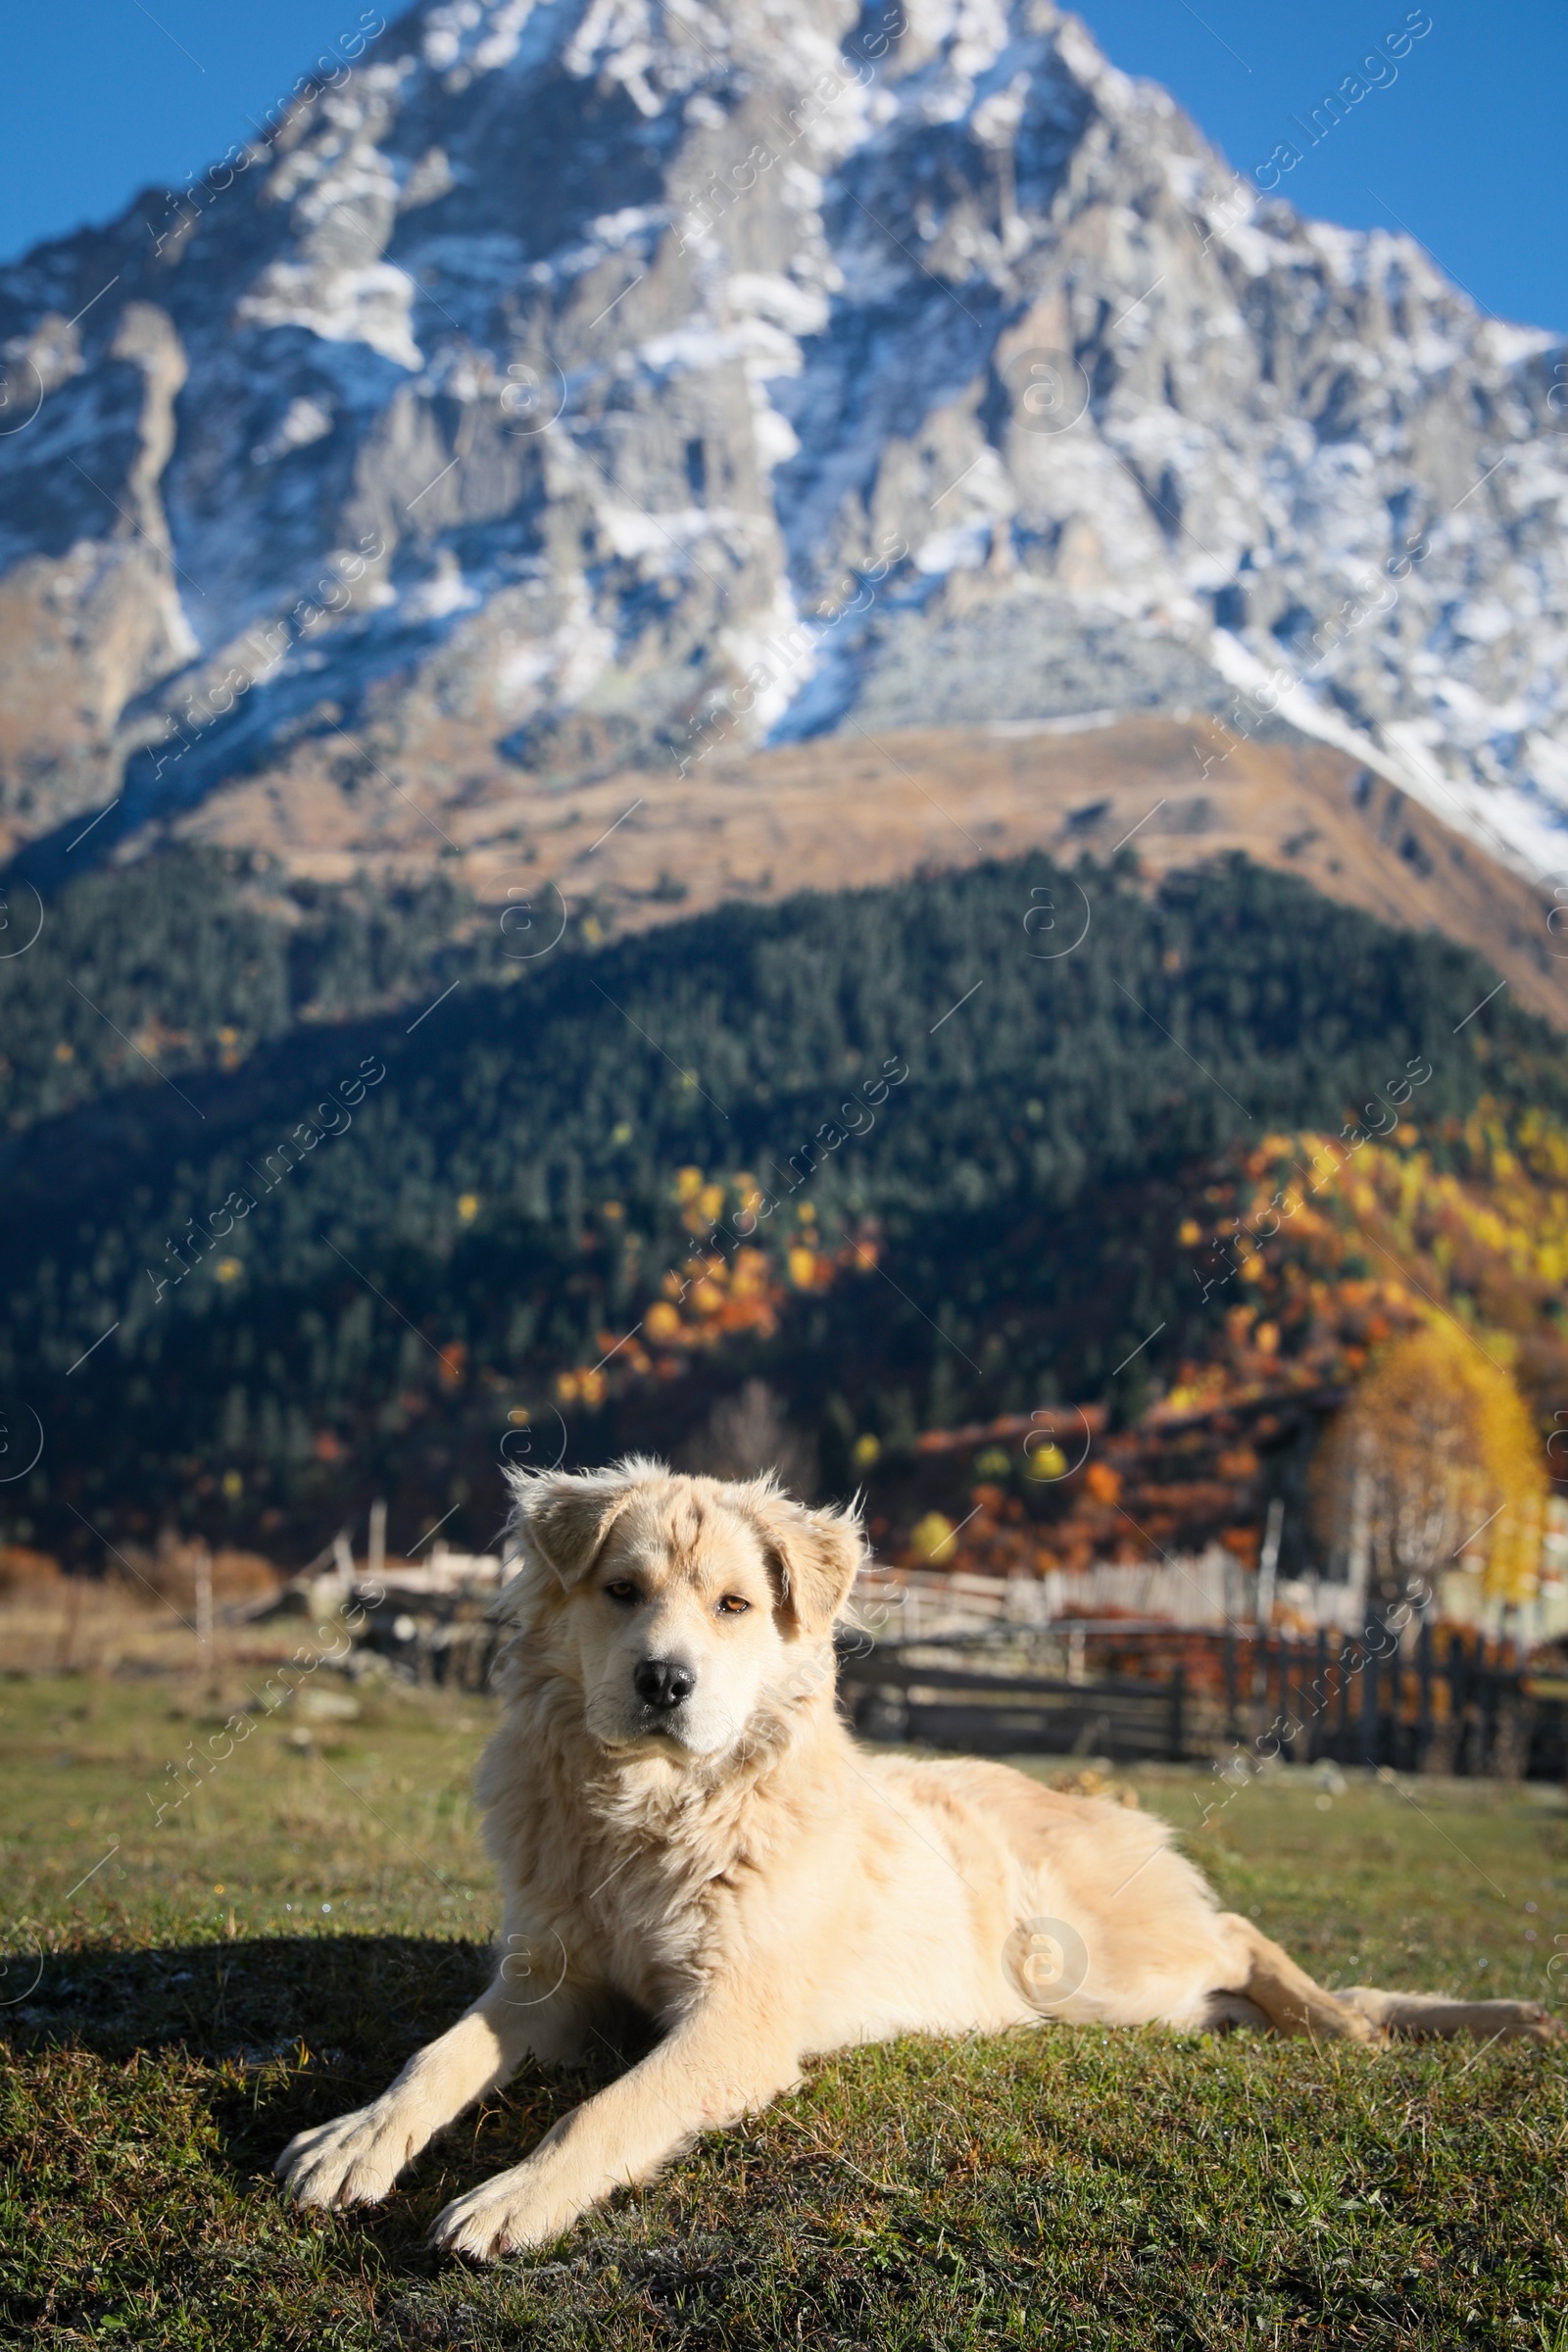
681 1820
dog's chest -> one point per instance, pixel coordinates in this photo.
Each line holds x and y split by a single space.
657 1942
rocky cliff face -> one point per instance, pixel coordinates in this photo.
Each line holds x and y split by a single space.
578 381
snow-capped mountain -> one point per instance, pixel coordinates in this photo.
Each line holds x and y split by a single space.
621 377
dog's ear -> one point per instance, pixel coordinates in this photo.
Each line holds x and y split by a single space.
563 1518
817 1555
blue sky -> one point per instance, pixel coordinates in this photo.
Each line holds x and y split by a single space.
1464 148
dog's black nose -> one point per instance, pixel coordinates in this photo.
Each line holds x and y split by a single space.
663 1682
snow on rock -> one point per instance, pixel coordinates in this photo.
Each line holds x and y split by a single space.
371 306
811 367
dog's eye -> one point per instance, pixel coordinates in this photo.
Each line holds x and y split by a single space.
732 1605
623 1590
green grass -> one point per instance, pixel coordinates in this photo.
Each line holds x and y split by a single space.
198 2004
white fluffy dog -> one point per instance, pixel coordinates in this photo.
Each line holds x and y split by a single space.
680 1818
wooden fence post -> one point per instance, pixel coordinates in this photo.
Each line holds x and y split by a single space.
1370 1727
1459 1698
1230 1683
1290 1693
1177 1704
1510 1718
1343 1743
204 1613
1423 1732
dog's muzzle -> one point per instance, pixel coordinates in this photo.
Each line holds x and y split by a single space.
664 1683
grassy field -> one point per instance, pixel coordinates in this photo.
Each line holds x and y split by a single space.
269 1953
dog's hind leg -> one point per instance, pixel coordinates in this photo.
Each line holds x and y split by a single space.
1224 2010
1423 2013
1287 1995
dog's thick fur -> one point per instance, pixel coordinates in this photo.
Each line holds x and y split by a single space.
721 1854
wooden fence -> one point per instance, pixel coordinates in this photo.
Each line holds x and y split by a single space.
1449 1705
916 1693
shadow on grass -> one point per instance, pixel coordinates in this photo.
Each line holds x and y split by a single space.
277 2033
362 1998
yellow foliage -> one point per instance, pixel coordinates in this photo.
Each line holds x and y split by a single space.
933 1539
750 1274
1436 1458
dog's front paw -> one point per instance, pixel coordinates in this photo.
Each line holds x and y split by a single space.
353 2161
504 2216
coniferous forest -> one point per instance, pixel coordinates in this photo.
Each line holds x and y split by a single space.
401 1207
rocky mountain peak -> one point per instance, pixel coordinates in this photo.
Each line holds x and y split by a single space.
562 384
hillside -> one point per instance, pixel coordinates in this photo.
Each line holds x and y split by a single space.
194 957
573 1207
637 847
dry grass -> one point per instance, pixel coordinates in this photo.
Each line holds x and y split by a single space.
83 1625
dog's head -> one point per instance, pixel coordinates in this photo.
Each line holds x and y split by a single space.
684 1608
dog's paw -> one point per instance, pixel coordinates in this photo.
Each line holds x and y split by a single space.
504 2216
1527 2021
353 2161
